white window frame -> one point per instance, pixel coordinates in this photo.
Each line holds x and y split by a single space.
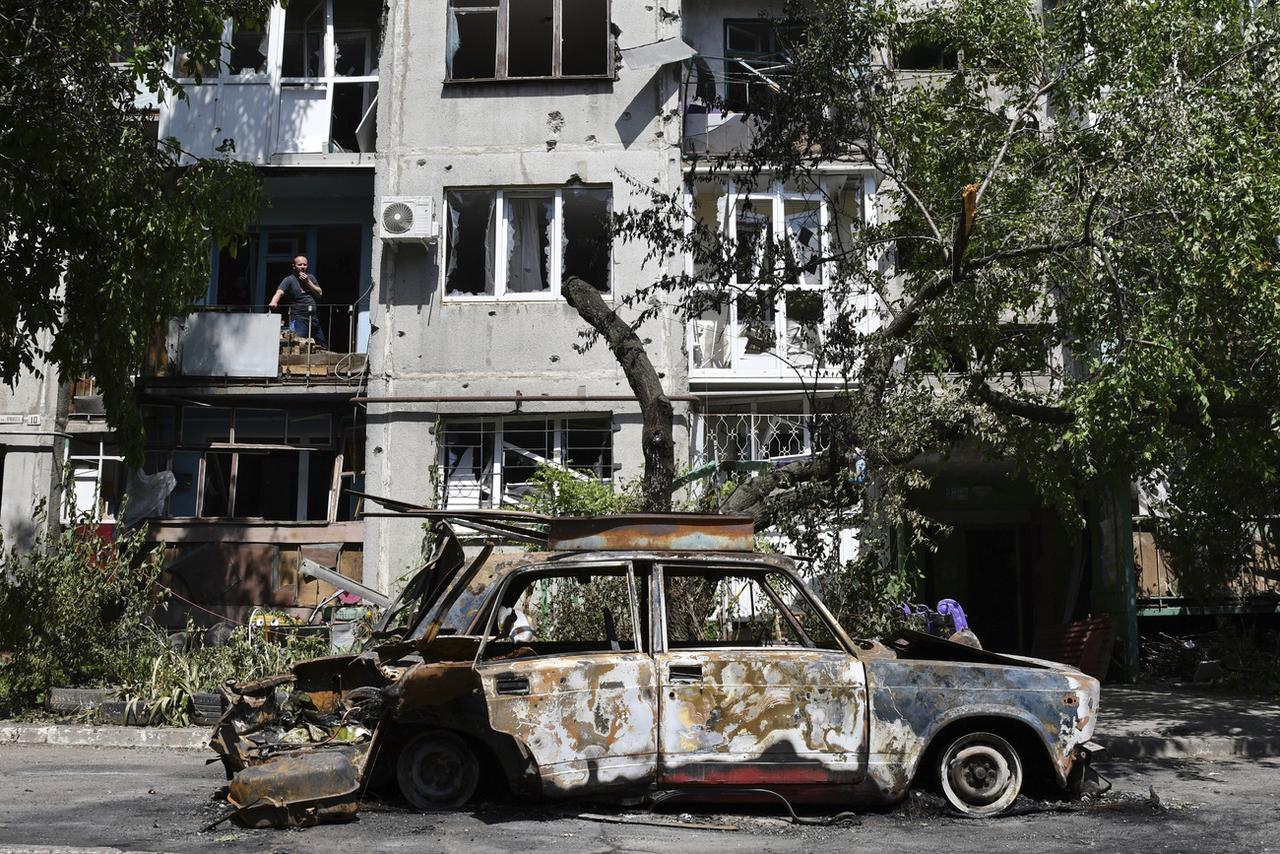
273 76
496 464
552 294
95 469
726 208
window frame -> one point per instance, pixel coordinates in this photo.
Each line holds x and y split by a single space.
662 567
536 571
166 451
728 204
502 9
501 246
495 465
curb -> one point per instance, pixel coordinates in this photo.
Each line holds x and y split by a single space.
1188 747
172 738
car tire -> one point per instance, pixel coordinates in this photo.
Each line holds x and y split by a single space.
980 774
437 771
69 700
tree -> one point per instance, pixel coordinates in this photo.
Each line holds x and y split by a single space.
102 236
1077 264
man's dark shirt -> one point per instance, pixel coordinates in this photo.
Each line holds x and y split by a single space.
295 293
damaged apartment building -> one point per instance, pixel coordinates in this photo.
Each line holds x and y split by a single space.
444 165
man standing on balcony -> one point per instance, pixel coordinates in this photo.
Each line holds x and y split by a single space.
300 290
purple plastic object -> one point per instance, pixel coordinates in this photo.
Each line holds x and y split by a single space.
951 608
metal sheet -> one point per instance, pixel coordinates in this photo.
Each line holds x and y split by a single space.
648 532
224 344
657 53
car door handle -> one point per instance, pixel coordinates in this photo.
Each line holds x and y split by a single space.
510 683
685 673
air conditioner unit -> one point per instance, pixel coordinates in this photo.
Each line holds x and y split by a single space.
407 218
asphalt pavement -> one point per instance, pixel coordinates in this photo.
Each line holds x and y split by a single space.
108 799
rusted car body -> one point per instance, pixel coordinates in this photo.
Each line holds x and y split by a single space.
641 655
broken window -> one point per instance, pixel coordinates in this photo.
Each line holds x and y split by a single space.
543 39
755 52
235 271
186 63
924 55
586 235
246 462
248 48
357 30
711 338
529 240
97 479
710 609
779 241
498 457
304 28
567 612
472 239
522 243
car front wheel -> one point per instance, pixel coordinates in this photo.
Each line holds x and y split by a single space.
437 771
980 774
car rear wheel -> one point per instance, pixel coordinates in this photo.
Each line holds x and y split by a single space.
980 774
437 771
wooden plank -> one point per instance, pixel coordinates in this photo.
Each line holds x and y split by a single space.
267 532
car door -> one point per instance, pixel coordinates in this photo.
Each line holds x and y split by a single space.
747 696
577 687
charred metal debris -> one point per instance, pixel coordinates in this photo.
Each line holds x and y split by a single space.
635 655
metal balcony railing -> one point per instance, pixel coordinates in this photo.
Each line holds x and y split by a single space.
750 437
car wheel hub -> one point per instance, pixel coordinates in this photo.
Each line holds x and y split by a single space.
981 774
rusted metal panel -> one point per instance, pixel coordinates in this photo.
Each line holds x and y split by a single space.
649 532
912 701
299 789
848 724
589 722
762 717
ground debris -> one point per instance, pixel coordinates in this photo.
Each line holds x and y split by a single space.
683 821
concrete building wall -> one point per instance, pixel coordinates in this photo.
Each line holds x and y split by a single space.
31 456
436 135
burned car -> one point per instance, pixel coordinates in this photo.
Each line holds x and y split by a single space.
633 655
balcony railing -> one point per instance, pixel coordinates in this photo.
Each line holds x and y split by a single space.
252 342
750 437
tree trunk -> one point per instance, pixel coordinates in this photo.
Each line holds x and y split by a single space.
655 407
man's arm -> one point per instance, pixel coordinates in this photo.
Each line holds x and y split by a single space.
275 298
309 281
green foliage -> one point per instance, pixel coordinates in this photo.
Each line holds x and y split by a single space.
75 612
1122 222
102 237
559 492
572 609
176 675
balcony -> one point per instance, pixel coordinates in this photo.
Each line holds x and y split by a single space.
716 95
304 91
251 344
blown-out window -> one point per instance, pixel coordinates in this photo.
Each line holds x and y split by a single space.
528 39
488 462
522 243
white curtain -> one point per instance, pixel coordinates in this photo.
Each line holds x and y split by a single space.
528 265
